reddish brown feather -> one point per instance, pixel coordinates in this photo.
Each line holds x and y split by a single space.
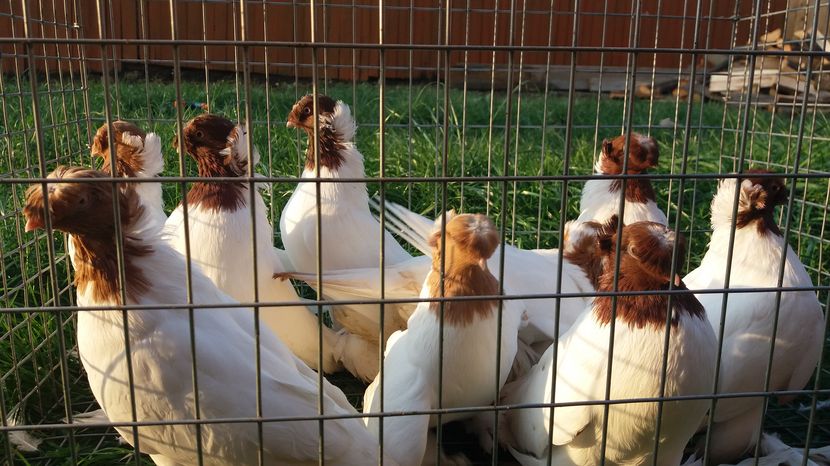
645 265
85 212
302 116
470 241
129 160
205 137
585 252
760 208
642 155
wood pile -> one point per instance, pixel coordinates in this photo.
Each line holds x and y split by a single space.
780 81
671 88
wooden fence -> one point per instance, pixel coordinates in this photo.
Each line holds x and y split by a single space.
664 24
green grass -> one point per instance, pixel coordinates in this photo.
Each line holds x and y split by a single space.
413 146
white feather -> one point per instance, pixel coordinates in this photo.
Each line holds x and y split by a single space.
581 376
402 280
238 146
90 417
415 229
150 194
343 122
226 372
823 404
821 455
411 374
749 323
221 247
21 440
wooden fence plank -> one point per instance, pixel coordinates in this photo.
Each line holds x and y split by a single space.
336 17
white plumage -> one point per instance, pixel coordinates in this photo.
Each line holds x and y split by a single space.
470 342
138 155
583 357
351 236
150 193
220 226
748 324
160 348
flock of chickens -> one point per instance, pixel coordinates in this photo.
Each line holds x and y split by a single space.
223 364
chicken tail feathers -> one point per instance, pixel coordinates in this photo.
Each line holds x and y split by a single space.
414 228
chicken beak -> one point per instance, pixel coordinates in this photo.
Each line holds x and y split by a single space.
33 224
290 124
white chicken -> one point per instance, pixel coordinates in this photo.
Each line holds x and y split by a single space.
471 342
601 196
220 225
351 236
583 357
749 318
160 346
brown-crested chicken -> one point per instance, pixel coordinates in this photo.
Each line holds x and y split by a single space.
220 226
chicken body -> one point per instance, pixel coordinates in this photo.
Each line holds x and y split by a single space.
162 362
160 348
350 238
636 369
599 202
472 369
220 225
749 319
583 355
350 235
411 376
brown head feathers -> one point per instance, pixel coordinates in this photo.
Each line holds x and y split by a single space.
129 158
470 241
581 247
84 210
302 113
302 116
642 155
210 140
758 199
645 265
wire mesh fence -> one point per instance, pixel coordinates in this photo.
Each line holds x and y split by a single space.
497 107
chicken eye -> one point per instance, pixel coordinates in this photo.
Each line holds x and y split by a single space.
307 111
200 134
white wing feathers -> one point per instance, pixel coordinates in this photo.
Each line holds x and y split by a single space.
401 281
414 228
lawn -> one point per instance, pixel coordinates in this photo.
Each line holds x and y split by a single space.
414 141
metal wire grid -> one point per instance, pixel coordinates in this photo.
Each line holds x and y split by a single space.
37 297
792 150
